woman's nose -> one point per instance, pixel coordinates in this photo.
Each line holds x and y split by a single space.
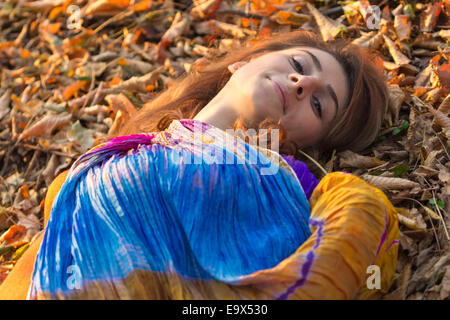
303 83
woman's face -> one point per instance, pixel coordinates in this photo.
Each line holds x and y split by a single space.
304 87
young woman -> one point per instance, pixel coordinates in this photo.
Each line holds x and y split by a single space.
158 214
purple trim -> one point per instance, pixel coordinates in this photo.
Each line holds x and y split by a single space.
306 178
384 235
306 267
392 244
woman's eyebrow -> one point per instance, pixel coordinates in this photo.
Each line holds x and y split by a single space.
329 87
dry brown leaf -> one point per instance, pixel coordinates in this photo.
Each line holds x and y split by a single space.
443 34
445 289
120 102
433 95
353 160
443 73
396 98
230 29
441 119
137 65
30 221
117 124
371 40
444 107
429 17
433 215
49 172
402 26
409 223
43 4
136 84
385 183
5 99
425 172
329 28
423 78
290 18
105 7
179 25
203 8
45 126
427 43
396 54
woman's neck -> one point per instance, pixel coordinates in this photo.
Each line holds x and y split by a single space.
218 112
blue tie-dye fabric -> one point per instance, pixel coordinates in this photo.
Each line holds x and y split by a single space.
151 209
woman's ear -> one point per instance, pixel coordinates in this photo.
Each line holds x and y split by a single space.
235 66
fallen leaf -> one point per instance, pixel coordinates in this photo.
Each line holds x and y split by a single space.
290 18
13 234
179 25
429 17
396 98
402 26
45 126
72 90
396 54
444 107
445 289
329 28
105 7
354 160
5 99
120 102
386 183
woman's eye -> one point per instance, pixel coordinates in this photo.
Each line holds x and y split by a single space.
315 103
297 65
317 106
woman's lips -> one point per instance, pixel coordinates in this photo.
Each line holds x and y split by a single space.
281 94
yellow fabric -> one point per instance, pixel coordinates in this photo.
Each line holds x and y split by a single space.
15 286
353 216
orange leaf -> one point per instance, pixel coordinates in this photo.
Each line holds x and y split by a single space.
270 9
72 90
5 45
420 91
136 36
114 81
122 61
120 102
53 28
24 53
24 191
444 76
142 6
264 33
105 6
13 234
55 12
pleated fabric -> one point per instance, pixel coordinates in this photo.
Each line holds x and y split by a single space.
166 209
165 216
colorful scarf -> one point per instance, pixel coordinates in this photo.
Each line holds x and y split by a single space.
162 215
